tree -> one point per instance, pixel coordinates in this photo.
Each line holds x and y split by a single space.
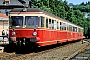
82 3
61 9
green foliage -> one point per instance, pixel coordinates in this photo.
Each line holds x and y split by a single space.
61 9
84 7
89 14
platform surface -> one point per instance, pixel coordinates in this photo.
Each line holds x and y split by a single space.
1 49
5 39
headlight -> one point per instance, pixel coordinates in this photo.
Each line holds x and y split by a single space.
34 33
13 33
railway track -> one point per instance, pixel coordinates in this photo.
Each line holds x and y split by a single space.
58 53
82 54
8 56
43 53
3 55
14 56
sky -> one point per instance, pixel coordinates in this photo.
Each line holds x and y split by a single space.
76 1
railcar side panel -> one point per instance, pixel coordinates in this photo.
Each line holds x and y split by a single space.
48 36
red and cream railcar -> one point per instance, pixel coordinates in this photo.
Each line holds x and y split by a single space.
35 27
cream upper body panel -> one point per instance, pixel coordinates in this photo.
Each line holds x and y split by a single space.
38 12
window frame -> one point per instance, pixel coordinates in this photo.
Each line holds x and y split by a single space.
11 22
39 20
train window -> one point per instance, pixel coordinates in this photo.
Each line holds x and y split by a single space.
16 21
79 30
52 24
67 27
76 29
73 29
60 25
32 21
70 28
57 25
46 22
82 30
63 26
42 21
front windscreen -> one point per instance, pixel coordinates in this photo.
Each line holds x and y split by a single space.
16 21
32 21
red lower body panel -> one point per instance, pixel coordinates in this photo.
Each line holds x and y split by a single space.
48 36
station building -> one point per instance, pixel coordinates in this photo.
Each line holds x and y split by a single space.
3 23
5 8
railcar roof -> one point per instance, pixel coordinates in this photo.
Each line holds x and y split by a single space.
39 10
28 10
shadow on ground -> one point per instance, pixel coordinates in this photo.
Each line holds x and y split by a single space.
26 50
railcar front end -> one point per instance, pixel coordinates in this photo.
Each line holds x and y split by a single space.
24 31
